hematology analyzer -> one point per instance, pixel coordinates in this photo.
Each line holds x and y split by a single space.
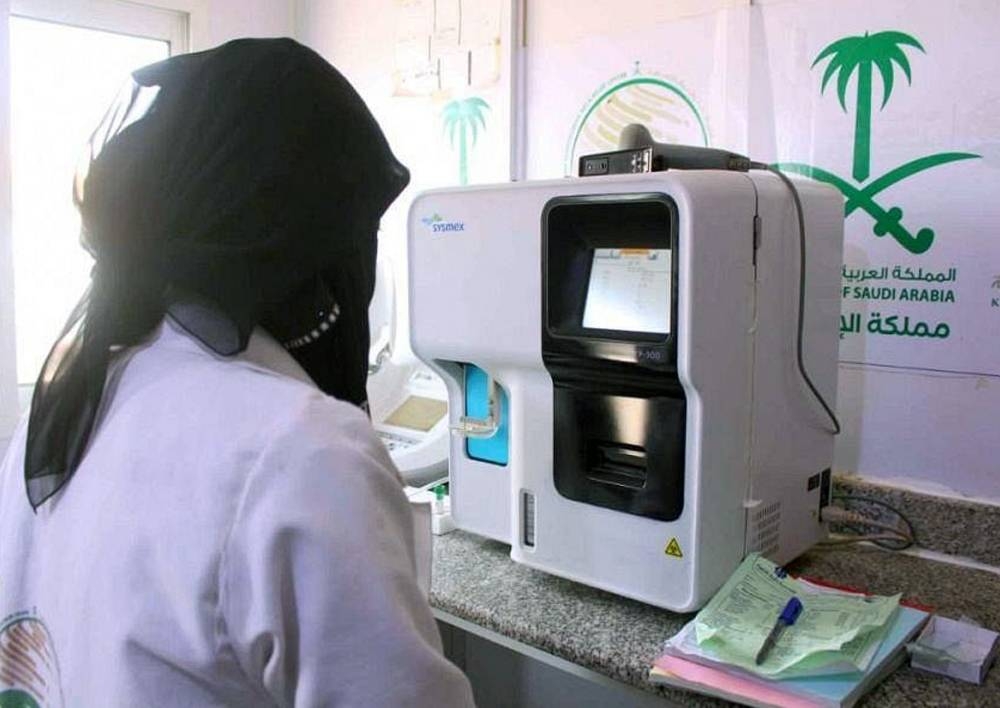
627 347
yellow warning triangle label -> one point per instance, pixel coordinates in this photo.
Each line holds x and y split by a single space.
673 549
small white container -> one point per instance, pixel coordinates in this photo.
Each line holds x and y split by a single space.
955 648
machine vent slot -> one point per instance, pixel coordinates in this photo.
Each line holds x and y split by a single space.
618 465
765 523
528 519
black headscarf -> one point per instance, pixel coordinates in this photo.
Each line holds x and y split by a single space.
230 188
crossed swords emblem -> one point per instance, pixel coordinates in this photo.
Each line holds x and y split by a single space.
887 221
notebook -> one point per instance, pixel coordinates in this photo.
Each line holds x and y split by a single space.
839 690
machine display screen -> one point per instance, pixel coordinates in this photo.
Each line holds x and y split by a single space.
629 290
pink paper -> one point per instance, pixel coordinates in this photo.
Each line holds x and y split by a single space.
730 683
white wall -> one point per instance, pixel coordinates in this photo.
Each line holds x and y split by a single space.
924 431
213 22
929 432
8 391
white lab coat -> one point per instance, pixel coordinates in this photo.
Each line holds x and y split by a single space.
233 537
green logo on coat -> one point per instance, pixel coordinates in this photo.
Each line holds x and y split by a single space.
14 698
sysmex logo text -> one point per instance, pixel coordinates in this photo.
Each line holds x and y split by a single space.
437 224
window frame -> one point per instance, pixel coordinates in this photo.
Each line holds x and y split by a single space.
170 22
116 16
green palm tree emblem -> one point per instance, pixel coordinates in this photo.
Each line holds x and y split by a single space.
462 117
863 55
881 51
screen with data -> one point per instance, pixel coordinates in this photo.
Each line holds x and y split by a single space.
629 290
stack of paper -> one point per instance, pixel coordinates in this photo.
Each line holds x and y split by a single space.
841 644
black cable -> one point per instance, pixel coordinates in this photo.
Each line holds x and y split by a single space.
899 545
687 157
802 288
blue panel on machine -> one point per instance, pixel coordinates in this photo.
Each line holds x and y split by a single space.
494 449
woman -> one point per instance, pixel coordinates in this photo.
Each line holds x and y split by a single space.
197 511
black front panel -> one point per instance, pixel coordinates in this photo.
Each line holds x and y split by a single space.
609 304
621 452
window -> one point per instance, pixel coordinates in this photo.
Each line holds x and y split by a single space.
67 62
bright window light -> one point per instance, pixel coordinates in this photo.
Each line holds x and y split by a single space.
63 78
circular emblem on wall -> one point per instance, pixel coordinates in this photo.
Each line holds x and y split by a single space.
657 102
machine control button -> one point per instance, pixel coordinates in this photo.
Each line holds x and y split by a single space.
395 442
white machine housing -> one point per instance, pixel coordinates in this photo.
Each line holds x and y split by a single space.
757 445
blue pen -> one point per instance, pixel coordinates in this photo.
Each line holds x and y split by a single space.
787 618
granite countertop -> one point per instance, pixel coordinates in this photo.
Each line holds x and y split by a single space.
475 580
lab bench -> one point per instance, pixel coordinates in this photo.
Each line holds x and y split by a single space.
527 638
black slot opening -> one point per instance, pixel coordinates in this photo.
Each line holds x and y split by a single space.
617 465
